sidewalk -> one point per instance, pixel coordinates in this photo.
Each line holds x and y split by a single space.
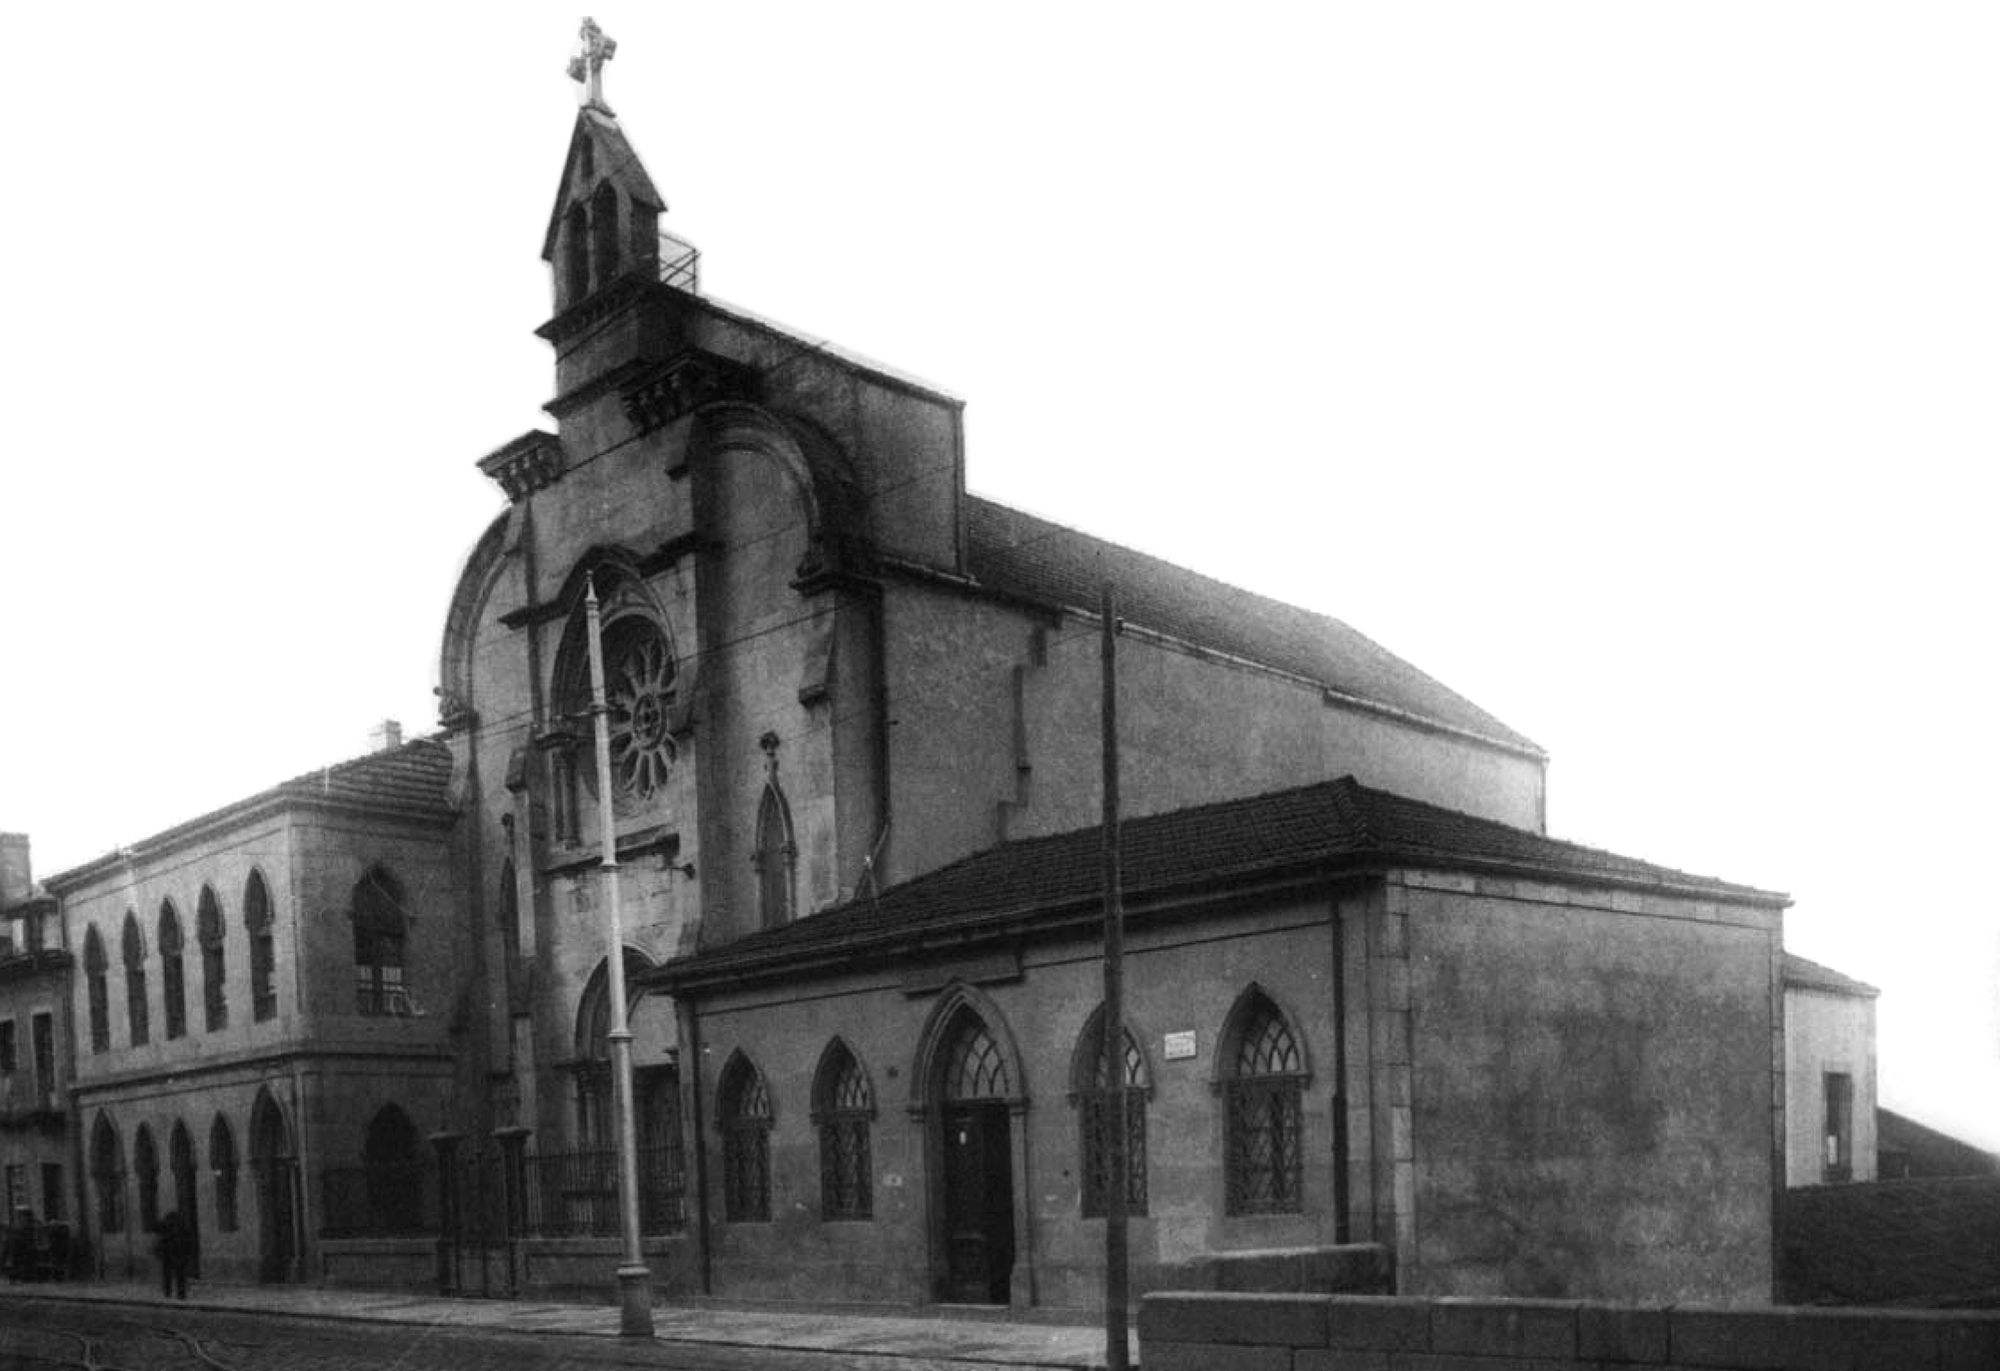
1057 1347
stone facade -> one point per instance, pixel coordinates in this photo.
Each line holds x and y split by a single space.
234 1040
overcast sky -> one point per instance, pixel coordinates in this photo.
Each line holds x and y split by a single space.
1630 369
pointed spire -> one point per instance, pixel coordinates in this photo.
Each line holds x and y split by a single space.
588 65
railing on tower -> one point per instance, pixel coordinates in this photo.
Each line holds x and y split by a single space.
680 263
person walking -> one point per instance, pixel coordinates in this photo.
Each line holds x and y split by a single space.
176 1247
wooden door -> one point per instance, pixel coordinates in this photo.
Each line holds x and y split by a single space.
978 1203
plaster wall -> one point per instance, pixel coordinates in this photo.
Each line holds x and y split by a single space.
1592 1093
1195 729
1180 979
1827 1032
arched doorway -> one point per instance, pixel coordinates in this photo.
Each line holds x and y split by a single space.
180 1159
275 1167
971 1077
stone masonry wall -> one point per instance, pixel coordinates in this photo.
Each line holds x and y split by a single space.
1199 1332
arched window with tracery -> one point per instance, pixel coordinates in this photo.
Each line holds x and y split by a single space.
222 1161
146 1163
136 1020
974 1066
214 992
173 976
97 990
843 1112
381 937
1092 1089
107 1175
1264 1105
743 1112
776 858
257 921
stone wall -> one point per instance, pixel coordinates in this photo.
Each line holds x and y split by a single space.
1928 1240
1200 1332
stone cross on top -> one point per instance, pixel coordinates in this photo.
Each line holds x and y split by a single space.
588 65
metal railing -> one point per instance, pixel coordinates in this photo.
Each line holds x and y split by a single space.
559 1195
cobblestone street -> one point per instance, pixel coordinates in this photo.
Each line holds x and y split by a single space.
47 1336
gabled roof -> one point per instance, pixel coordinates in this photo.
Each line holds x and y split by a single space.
413 781
1039 883
1801 974
623 166
1033 559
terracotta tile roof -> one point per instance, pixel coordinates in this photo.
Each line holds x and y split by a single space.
1021 555
414 778
1812 976
416 775
1328 826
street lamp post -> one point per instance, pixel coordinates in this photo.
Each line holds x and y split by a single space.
635 1301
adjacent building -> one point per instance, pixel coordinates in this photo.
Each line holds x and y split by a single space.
1829 1075
266 993
35 1152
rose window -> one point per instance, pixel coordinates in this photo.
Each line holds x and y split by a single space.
639 694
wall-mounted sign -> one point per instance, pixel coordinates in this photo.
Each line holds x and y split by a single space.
1180 1046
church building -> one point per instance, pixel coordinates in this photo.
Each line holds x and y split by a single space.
853 717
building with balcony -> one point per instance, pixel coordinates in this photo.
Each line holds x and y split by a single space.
35 1150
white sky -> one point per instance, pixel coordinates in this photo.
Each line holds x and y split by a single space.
1629 368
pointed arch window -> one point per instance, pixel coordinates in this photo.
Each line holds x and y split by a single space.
257 921
1095 1095
107 1175
173 975
97 989
593 1047
776 858
146 1162
604 234
222 1161
1264 1105
974 1067
744 1115
214 993
843 1111
381 934
393 1169
180 1160
576 254
136 1020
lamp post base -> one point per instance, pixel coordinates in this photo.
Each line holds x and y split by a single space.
635 1303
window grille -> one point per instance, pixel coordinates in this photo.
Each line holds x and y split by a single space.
746 1147
1094 1101
846 1108
1264 1103
380 935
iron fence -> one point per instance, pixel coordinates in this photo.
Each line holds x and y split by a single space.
556 1195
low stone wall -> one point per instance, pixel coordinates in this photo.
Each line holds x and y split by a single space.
1218 1332
1354 1268
1933 1242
